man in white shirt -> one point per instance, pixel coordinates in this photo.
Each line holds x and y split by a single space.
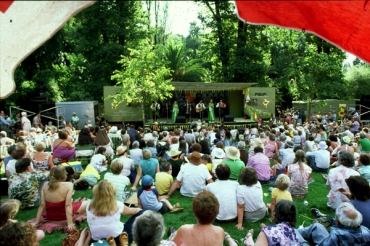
287 155
199 108
225 192
192 177
319 160
155 107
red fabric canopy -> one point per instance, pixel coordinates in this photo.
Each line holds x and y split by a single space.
345 23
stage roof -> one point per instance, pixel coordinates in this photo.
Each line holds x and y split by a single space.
205 86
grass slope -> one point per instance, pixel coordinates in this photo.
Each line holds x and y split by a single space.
316 198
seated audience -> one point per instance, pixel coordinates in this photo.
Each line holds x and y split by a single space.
287 154
192 177
104 214
243 153
164 179
175 161
84 137
234 162
320 159
336 179
102 140
99 160
261 163
299 174
280 192
283 231
249 194
147 166
17 154
359 195
277 168
136 154
225 192
364 166
148 198
56 199
347 231
42 161
18 233
118 180
205 208
24 184
129 169
62 148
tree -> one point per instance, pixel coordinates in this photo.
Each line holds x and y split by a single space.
142 78
358 79
182 68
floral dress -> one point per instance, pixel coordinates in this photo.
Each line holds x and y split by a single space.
25 188
337 179
281 234
298 179
211 112
175 112
42 165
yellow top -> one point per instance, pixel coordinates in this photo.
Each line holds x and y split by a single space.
279 194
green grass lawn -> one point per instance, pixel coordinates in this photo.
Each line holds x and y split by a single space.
316 198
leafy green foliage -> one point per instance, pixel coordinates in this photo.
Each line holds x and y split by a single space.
358 78
142 77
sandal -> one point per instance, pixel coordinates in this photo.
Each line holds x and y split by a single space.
110 241
231 241
325 176
248 240
123 239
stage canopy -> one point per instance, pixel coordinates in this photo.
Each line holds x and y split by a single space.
344 23
201 86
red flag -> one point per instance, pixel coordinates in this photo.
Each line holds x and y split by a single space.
25 26
344 23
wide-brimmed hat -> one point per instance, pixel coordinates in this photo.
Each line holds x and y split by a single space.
346 139
232 152
74 113
218 153
195 158
322 145
147 180
121 149
174 152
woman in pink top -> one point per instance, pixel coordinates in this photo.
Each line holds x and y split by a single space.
271 147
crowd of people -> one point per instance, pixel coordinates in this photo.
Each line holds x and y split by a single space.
221 168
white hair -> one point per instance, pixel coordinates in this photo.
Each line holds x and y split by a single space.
148 229
343 214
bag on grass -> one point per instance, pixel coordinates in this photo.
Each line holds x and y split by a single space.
82 185
72 238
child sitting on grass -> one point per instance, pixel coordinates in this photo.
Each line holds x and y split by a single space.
164 179
277 168
148 198
280 192
99 160
119 181
206 160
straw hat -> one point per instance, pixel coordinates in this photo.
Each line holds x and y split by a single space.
195 158
232 152
174 152
121 149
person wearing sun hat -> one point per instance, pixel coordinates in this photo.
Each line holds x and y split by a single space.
217 156
234 162
129 169
345 141
192 177
175 161
319 160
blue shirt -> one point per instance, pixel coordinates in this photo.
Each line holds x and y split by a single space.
149 199
3 121
340 235
149 167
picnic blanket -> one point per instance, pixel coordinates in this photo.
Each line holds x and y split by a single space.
49 226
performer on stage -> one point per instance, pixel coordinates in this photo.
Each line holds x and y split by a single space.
221 105
199 108
188 110
211 111
155 107
175 111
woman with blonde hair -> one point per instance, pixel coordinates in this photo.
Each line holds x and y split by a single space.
8 210
102 140
104 215
42 161
147 166
299 173
56 198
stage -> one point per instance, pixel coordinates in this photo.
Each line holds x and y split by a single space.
164 122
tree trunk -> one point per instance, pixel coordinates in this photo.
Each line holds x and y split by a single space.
239 74
223 48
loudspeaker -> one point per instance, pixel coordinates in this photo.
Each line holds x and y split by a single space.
180 119
229 118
